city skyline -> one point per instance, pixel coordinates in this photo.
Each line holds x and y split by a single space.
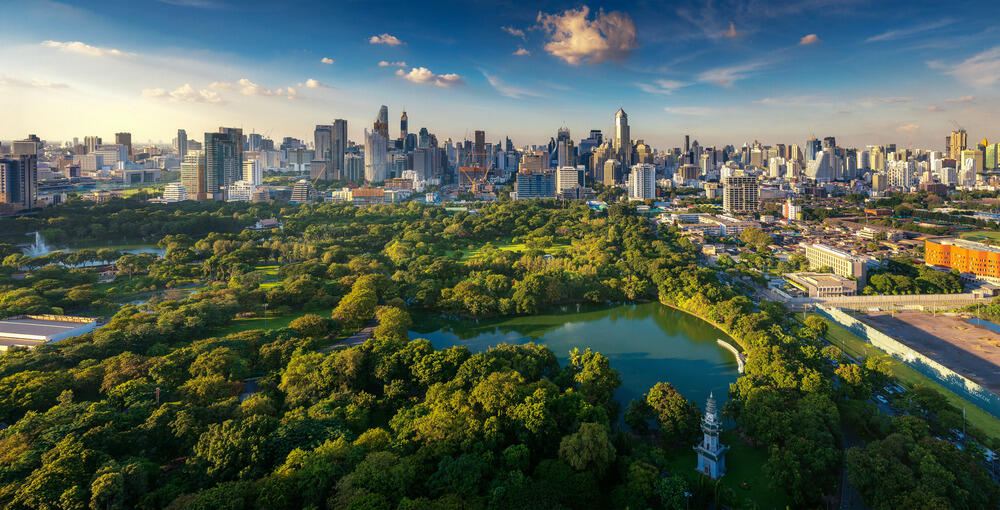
722 73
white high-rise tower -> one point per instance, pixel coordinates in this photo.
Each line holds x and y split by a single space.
623 144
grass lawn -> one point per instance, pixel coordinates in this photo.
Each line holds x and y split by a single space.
858 348
744 464
982 236
273 321
503 245
270 273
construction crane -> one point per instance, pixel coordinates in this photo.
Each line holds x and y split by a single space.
474 173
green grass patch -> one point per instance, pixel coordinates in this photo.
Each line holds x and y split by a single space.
982 236
909 377
270 271
480 249
744 465
272 322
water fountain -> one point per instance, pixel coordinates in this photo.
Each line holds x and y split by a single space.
39 248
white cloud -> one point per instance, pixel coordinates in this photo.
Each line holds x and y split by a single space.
726 76
516 32
963 99
521 52
662 86
185 94
34 83
979 70
508 90
808 39
220 85
86 49
326 60
392 64
902 33
871 101
314 84
908 128
249 88
935 108
424 75
387 39
575 38
694 111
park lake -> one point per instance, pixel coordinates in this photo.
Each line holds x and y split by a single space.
646 343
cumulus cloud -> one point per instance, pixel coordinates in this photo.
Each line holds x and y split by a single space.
521 52
981 69
963 99
392 64
326 60
516 32
314 84
86 49
387 39
249 88
908 128
694 111
935 108
808 39
575 38
424 75
508 90
185 94
662 86
34 83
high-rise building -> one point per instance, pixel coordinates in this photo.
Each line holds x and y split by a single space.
642 182
404 128
323 142
813 146
376 156
381 125
740 194
240 191
535 185
223 160
568 178
253 171
623 141
91 142
126 140
612 172
303 192
255 142
479 149
957 142
193 175
829 142
182 143
18 182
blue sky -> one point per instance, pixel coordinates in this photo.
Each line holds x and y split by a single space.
722 71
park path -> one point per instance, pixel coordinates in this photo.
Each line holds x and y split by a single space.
356 339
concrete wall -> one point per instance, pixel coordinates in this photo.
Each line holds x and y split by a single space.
965 388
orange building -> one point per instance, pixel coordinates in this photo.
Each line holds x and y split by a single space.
966 256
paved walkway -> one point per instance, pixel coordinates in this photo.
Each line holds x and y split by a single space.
356 339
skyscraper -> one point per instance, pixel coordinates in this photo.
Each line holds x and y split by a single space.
812 147
403 127
193 175
957 142
479 149
338 147
91 142
623 143
223 160
182 143
18 182
126 140
642 182
376 156
740 193
323 142
381 125
32 145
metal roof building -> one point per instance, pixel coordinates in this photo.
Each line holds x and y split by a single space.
31 330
